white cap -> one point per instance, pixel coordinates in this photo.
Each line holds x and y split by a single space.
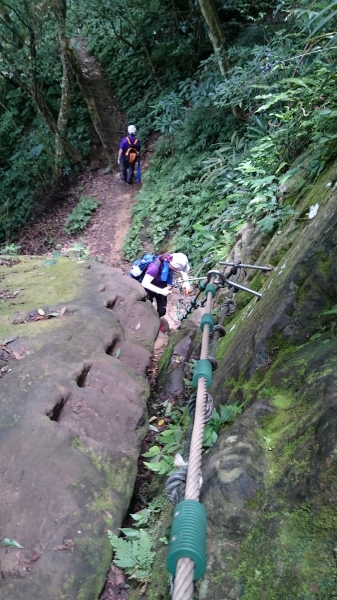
131 129
180 261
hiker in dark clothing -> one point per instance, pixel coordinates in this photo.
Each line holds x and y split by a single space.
127 154
159 275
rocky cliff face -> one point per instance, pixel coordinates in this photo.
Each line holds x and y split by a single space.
270 480
72 417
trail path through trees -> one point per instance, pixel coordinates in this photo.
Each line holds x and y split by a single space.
105 233
104 236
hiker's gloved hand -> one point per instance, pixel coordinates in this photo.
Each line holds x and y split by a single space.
118 161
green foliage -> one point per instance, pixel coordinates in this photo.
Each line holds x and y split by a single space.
80 215
10 250
227 414
135 557
79 250
168 443
210 174
147 516
168 113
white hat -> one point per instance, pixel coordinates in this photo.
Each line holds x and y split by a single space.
131 129
180 261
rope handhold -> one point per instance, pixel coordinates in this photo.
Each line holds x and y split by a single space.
213 362
188 537
230 304
220 329
208 408
191 404
174 487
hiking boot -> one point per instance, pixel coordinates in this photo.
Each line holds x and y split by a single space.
164 326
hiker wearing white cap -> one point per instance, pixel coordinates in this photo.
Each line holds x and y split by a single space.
129 148
159 275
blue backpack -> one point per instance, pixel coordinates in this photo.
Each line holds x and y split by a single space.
140 265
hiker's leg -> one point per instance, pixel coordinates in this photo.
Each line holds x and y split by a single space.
124 167
131 169
161 304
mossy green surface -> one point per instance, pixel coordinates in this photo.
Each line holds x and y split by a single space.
290 551
57 284
279 356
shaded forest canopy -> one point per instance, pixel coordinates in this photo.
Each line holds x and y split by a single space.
237 93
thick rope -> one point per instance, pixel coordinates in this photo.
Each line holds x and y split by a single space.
183 583
176 482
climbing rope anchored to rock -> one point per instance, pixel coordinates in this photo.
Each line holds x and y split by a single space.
186 559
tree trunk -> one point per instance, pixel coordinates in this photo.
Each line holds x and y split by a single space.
66 87
47 116
91 104
217 37
64 110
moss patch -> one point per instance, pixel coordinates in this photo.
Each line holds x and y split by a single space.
291 555
39 287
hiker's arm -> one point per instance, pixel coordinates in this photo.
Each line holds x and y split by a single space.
120 152
146 283
186 284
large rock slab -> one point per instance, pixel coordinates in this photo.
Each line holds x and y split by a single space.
72 417
270 480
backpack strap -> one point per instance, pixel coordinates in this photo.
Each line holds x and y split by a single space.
132 144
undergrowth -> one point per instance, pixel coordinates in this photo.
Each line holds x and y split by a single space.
80 215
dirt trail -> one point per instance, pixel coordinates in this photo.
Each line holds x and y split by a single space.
106 231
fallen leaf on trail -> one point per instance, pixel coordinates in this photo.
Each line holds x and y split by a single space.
63 310
38 318
10 543
41 311
33 559
17 355
68 545
55 314
161 422
16 293
152 419
137 326
5 349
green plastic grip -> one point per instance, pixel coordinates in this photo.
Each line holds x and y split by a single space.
207 319
188 536
202 286
203 368
210 288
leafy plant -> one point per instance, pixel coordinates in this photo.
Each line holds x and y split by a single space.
227 414
169 443
135 557
10 250
147 516
79 250
80 215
